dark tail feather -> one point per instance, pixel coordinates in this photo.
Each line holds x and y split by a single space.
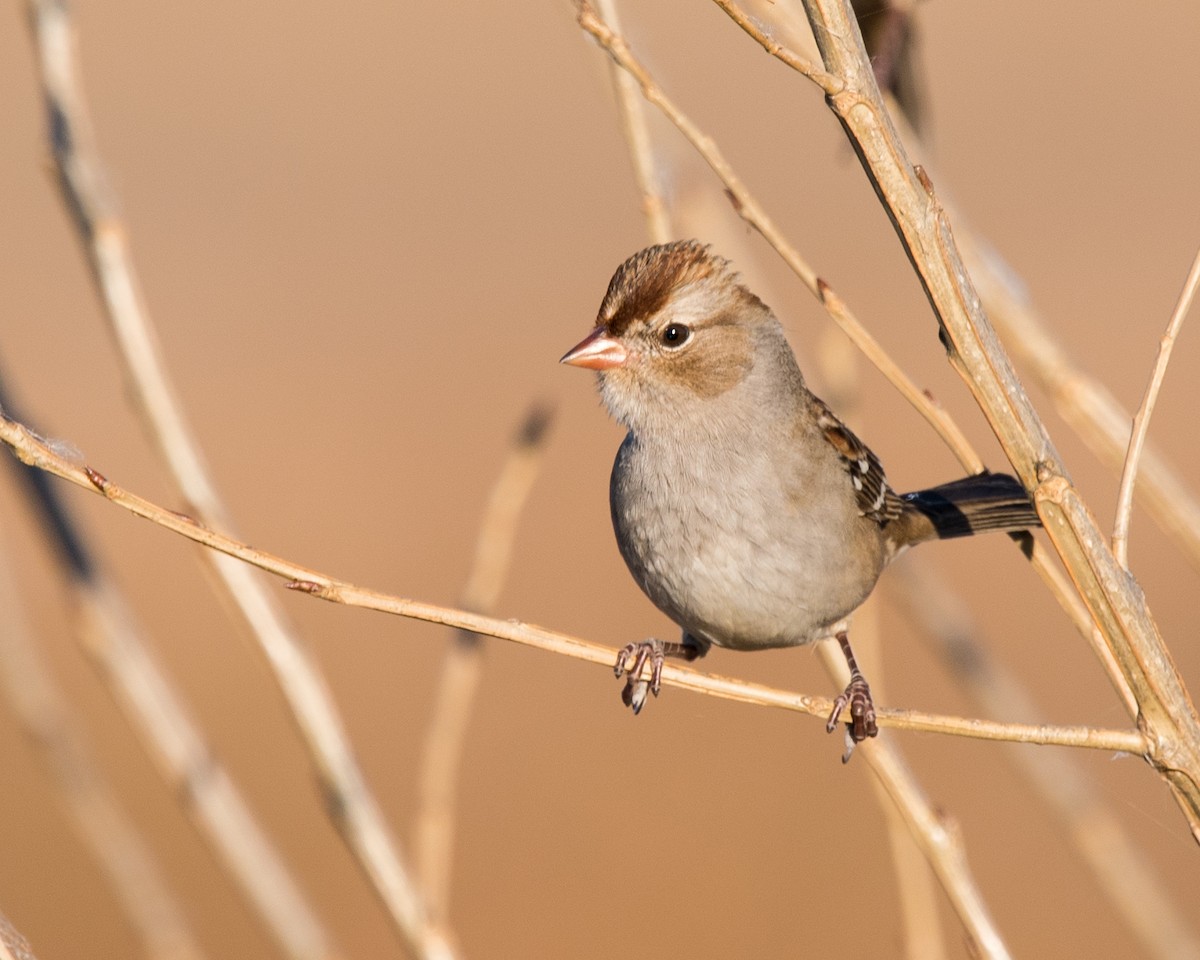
985 501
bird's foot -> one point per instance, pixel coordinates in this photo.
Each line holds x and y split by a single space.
857 696
631 662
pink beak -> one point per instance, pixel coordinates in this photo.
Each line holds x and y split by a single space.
596 352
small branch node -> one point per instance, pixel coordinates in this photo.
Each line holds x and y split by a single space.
925 181
99 480
306 586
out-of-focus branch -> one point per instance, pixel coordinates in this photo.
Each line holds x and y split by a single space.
34 451
1083 402
1120 867
916 883
646 171
13 946
750 211
889 34
355 812
935 834
109 634
1141 422
461 671
1114 599
1086 405
753 213
101 823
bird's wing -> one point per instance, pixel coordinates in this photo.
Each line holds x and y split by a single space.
876 499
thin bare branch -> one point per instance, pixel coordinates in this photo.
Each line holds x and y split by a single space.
34 451
354 809
1113 597
109 635
463 665
206 790
1141 422
917 885
802 65
646 171
1088 406
1121 868
936 834
13 946
946 428
753 213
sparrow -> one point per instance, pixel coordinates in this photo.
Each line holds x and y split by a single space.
746 511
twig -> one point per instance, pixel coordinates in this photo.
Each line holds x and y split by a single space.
354 810
946 428
455 697
1059 586
750 210
34 451
13 946
935 833
802 65
1121 868
1086 405
111 638
113 839
646 171
1113 597
1141 422
917 886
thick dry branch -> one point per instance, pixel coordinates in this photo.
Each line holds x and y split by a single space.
1121 867
1112 596
1087 405
36 452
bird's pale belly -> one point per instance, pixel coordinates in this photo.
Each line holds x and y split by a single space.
739 598
737 580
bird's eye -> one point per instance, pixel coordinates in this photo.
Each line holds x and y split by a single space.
676 335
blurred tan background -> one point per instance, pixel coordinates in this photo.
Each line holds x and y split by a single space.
366 234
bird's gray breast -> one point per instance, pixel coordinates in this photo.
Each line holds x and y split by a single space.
733 549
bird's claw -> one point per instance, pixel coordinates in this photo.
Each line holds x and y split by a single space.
630 663
861 723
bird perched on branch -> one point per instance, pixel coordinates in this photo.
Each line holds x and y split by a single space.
745 509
